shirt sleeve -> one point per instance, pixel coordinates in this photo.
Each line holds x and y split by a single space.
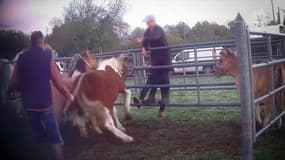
145 40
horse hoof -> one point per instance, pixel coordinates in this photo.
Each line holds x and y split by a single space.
128 117
98 131
161 115
128 139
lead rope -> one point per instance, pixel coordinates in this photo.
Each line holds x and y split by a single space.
74 93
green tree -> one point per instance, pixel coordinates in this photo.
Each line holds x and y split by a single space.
183 30
90 25
205 31
12 42
172 34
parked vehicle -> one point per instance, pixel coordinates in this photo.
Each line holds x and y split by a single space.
188 57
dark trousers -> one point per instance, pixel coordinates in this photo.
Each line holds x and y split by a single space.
157 77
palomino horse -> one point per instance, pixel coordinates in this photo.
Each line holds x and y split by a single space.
228 64
95 93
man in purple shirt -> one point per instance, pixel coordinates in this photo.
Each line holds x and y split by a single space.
32 76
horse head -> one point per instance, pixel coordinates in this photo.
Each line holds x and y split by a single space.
90 61
123 61
228 62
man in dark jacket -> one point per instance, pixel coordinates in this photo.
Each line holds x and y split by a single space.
32 75
155 37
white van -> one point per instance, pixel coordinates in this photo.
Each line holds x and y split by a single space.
188 56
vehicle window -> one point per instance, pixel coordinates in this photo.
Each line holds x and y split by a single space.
185 55
178 57
182 55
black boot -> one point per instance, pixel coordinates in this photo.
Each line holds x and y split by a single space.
138 102
163 103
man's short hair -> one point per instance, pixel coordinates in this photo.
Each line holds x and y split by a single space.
37 37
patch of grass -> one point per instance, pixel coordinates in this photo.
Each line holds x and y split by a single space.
271 146
206 96
182 116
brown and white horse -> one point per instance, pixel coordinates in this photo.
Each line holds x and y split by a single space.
95 94
85 63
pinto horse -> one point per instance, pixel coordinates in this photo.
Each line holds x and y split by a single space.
85 63
95 93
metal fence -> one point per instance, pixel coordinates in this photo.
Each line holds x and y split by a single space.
262 49
244 45
195 88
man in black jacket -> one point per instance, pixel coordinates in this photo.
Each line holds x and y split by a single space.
155 37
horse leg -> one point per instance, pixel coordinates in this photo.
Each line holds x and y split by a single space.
268 111
95 125
81 124
103 117
257 114
109 125
114 115
127 103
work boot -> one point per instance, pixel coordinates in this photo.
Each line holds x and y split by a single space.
150 100
162 104
138 102
58 152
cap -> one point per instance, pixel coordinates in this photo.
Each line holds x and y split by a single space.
149 18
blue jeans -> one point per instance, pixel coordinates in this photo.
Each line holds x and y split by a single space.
45 127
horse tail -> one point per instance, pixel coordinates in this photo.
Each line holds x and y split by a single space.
93 108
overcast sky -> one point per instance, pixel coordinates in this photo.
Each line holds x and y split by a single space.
29 15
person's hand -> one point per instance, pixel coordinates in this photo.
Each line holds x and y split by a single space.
145 52
139 40
146 65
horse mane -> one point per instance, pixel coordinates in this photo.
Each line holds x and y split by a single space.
111 62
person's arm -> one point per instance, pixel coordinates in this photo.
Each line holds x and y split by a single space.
58 81
145 44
